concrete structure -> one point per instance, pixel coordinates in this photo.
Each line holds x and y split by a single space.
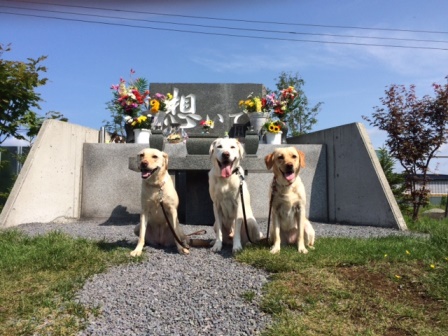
224 101
66 167
355 178
48 187
107 180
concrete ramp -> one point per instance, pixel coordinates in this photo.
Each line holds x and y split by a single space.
48 187
358 192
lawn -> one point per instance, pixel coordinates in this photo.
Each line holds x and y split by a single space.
383 286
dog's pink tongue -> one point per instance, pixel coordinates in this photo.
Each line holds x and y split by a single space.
226 170
146 174
289 176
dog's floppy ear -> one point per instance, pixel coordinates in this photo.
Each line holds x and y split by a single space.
240 149
165 159
302 158
269 160
212 146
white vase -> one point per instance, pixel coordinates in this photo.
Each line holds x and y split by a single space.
257 120
142 135
274 138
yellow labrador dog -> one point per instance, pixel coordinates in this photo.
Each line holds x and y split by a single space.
290 224
224 180
156 186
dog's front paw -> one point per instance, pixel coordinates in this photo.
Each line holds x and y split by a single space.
275 249
136 253
217 246
183 250
311 247
303 250
236 248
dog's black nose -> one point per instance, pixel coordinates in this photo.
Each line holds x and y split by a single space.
143 164
225 155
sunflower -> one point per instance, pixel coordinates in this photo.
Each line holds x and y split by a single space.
273 127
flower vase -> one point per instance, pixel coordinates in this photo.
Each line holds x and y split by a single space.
251 142
284 130
142 135
199 144
274 138
156 140
129 133
257 120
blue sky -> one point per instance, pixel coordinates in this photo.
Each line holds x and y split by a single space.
85 59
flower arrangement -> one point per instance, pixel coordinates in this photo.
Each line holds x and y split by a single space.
174 138
130 97
207 124
142 121
273 126
253 104
158 102
286 102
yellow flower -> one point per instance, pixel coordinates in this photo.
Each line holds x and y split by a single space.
407 252
385 256
257 103
122 90
155 105
169 96
398 276
432 266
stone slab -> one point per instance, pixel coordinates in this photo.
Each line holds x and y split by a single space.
212 99
111 183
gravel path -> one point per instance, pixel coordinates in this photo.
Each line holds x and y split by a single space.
172 294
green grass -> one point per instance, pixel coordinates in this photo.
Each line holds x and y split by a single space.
39 277
382 286
385 286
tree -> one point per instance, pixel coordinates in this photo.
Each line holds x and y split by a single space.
18 81
416 128
302 117
395 180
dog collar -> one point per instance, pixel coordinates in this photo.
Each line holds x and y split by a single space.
237 171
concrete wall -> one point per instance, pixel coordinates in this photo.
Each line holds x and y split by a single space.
68 175
112 191
358 192
48 187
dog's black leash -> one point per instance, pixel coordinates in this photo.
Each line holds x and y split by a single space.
180 242
273 189
237 171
